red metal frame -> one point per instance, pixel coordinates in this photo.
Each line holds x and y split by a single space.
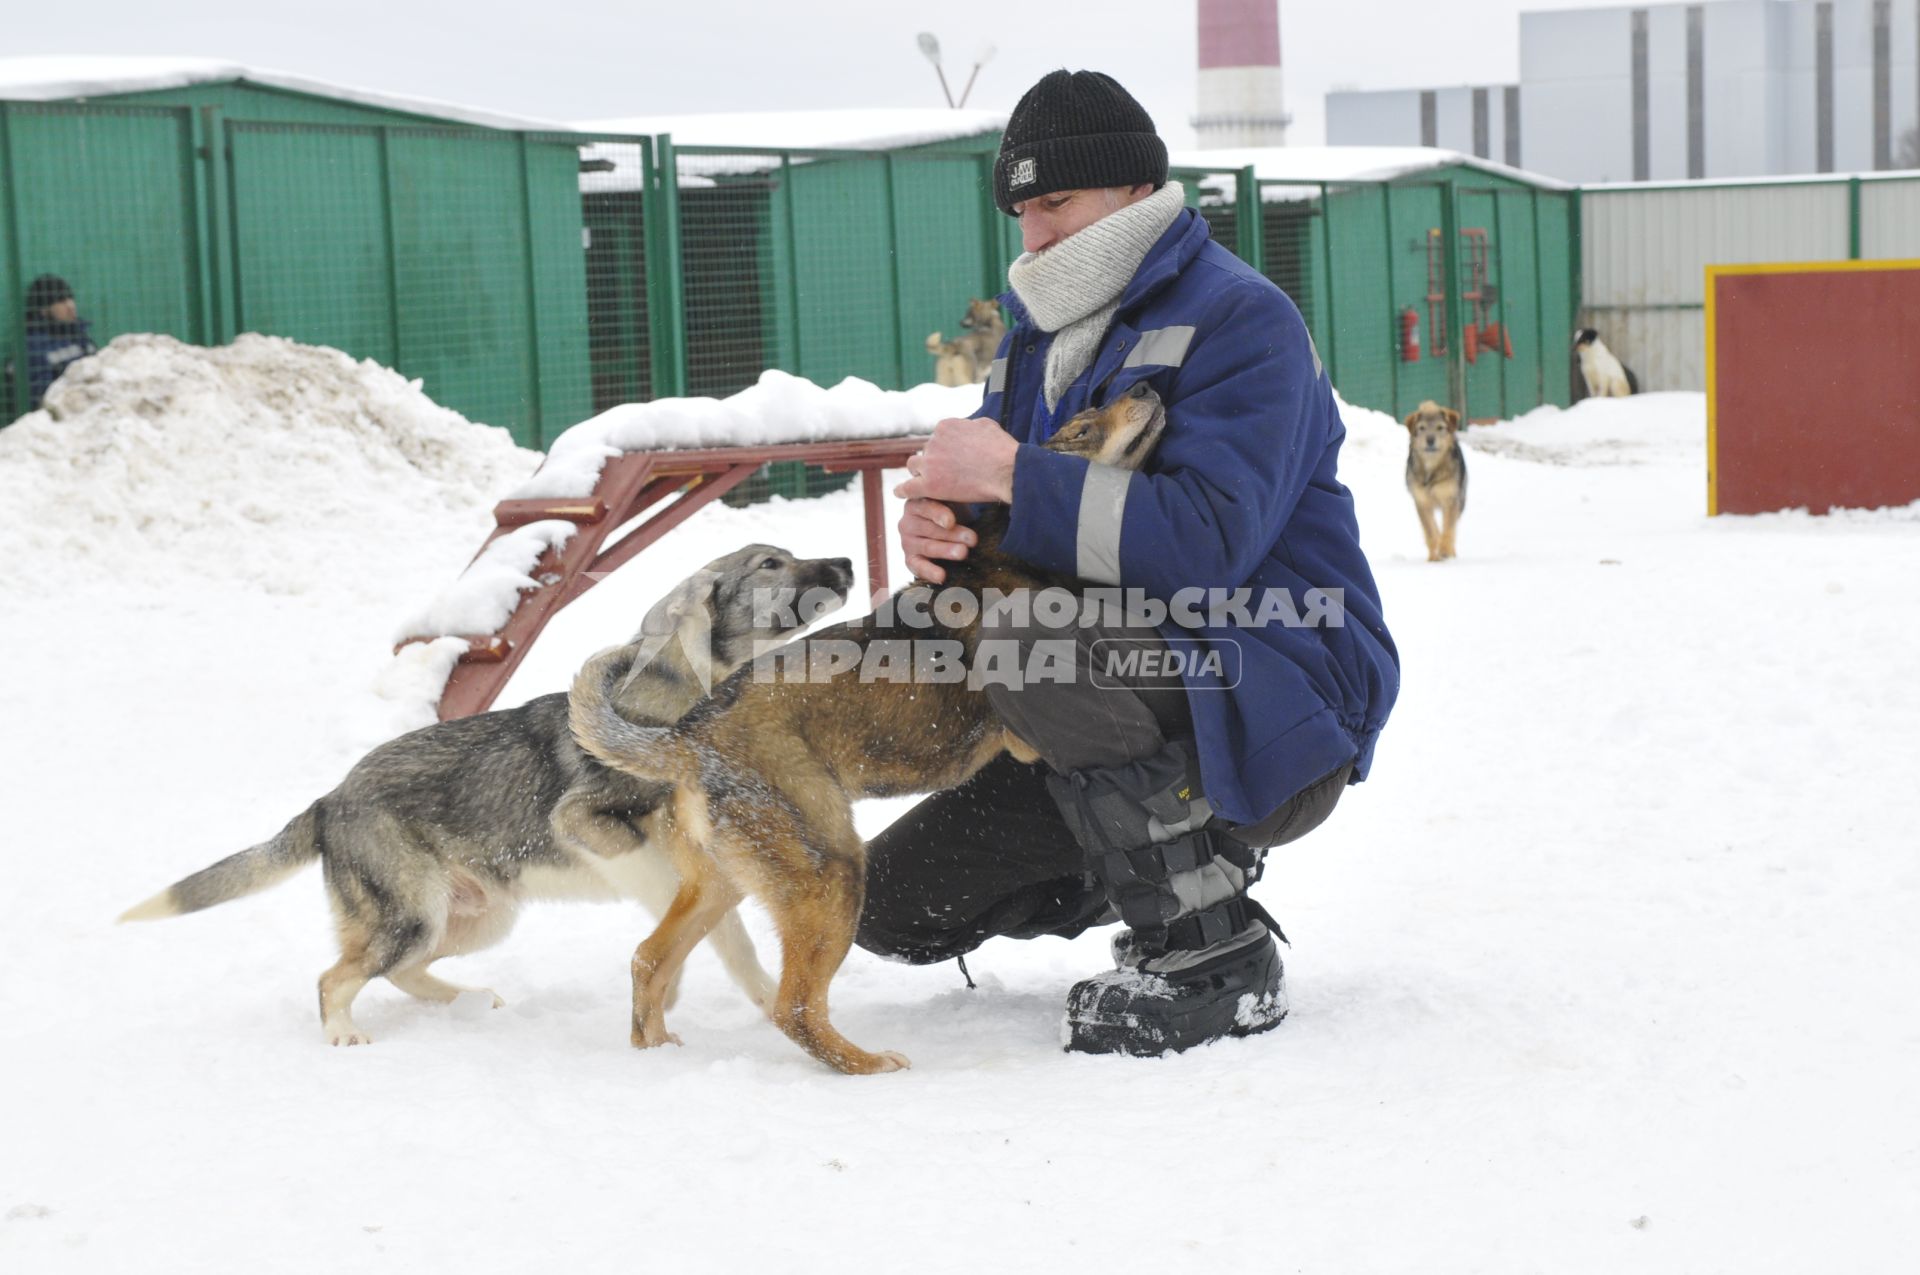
629 486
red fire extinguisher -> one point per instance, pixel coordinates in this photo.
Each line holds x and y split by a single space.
1409 335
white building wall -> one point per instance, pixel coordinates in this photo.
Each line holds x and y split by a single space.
1666 92
1741 107
1759 90
1576 94
1890 220
1906 71
1390 117
1852 86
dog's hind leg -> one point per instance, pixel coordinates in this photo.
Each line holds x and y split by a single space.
735 949
416 981
369 950
338 986
817 917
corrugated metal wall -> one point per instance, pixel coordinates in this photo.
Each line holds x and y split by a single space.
1645 250
1890 220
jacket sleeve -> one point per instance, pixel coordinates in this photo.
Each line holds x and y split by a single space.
1244 435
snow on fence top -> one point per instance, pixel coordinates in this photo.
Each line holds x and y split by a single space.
1304 167
811 130
779 408
56 79
860 130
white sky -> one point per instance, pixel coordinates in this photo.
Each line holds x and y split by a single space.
583 59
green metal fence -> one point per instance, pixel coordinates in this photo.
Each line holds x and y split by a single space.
459 256
828 264
1484 274
533 279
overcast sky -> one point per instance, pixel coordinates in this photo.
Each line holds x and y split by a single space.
586 59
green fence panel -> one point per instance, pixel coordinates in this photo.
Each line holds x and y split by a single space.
312 260
730 261
13 347
1419 281
1289 230
613 185
1478 293
461 268
1520 263
104 197
1361 345
556 302
1559 269
845 273
943 259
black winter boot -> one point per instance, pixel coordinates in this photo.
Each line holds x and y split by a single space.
1197 962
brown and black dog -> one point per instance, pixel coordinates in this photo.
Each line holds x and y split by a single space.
767 769
1436 474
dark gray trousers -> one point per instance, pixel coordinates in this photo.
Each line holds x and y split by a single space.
993 856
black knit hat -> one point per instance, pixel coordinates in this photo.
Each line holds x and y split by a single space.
1076 130
48 289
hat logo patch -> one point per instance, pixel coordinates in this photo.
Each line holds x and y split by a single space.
1023 173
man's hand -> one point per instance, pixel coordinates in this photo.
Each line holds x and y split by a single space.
929 530
966 461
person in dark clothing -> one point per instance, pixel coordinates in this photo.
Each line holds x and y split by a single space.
1162 782
56 336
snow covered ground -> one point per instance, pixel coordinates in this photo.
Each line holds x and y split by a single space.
1609 967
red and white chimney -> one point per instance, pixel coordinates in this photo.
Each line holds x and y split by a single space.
1239 97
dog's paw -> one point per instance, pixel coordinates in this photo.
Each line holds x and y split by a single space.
348 1036
653 1038
891 1060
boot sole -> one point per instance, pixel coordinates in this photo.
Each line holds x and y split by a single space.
1151 1035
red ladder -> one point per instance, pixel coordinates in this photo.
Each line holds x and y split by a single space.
630 485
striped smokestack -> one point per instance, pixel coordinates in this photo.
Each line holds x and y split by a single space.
1239 97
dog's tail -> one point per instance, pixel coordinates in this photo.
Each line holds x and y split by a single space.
248 872
659 753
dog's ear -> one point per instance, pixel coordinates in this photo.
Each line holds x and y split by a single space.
688 600
1453 419
1411 418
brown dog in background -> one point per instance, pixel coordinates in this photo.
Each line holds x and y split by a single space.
767 769
1436 474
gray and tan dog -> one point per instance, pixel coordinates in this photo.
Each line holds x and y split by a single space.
434 839
1436 475
967 359
768 767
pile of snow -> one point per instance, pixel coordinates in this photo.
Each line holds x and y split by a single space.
265 463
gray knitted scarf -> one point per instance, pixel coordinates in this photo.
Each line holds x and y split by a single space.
1073 288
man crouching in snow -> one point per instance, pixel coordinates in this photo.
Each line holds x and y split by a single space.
1161 789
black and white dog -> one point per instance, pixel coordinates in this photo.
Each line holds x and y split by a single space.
1597 373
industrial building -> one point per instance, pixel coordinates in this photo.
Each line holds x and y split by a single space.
1736 88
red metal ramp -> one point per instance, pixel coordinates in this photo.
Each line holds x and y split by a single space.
679 483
